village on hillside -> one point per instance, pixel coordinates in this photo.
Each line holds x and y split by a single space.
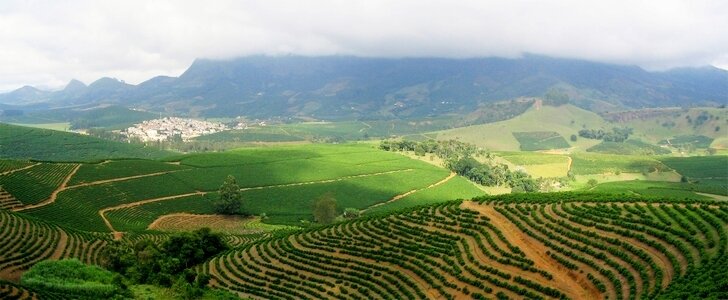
168 128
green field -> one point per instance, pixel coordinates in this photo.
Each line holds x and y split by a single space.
18 142
699 166
652 188
538 164
281 182
540 140
629 147
35 184
696 141
593 163
564 120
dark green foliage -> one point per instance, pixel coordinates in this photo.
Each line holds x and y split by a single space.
231 198
556 97
617 135
74 279
324 209
165 264
540 140
458 157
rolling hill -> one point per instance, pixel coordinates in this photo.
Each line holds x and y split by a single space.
20 142
564 120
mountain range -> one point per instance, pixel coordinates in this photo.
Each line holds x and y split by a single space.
343 87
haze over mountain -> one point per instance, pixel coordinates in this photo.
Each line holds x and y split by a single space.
355 87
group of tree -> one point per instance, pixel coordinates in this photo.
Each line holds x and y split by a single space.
493 175
460 158
447 150
617 134
169 264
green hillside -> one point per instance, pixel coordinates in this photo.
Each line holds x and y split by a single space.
564 120
280 182
655 125
19 142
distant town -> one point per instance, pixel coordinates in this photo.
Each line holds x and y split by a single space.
169 128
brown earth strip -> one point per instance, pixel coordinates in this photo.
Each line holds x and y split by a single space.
576 288
18 169
400 196
54 195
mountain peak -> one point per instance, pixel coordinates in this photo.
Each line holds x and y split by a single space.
74 85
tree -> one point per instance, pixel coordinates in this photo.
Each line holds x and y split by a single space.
231 198
324 209
592 183
573 137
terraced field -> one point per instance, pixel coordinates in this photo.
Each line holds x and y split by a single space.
24 242
538 248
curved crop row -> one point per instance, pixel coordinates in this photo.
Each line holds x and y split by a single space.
35 184
24 242
613 250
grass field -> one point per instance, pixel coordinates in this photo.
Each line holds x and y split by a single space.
564 120
674 123
629 147
540 140
18 142
593 163
62 126
538 164
697 141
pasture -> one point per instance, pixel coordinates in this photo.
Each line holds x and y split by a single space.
538 164
540 140
498 136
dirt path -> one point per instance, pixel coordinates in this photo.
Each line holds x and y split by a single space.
323 181
62 241
18 169
400 196
54 195
714 196
660 258
103 212
568 164
118 234
576 286
119 179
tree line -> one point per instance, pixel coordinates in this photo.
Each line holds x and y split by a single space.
617 135
460 158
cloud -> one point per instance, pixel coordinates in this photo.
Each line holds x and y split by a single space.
47 43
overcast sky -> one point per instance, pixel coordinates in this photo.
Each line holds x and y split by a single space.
47 43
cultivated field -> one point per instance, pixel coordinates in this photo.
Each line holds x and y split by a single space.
18 142
535 248
281 182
